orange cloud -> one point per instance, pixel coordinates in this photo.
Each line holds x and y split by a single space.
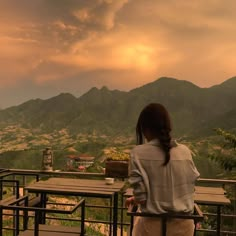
90 14
185 39
111 51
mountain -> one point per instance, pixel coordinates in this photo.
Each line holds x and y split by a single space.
44 114
195 111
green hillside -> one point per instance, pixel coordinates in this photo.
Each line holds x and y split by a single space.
195 111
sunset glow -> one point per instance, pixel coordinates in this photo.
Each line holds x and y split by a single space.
49 47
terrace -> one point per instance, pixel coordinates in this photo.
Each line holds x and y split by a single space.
102 215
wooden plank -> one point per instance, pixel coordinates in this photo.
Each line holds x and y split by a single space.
33 202
59 228
204 198
211 199
211 190
198 189
47 233
75 187
74 192
83 187
67 189
217 181
8 200
72 183
84 182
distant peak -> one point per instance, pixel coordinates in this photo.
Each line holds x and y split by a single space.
65 95
170 79
35 100
62 96
96 90
104 88
93 90
166 78
229 82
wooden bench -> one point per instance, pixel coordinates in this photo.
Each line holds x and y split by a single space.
15 184
197 216
54 230
8 200
48 233
22 203
34 201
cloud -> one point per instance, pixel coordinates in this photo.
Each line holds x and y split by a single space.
121 43
100 13
16 58
55 27
198 37
108 52
109 56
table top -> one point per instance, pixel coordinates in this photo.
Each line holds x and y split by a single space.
211 199
69 186
202 195
211 190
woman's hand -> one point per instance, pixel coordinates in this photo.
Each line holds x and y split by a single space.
129 201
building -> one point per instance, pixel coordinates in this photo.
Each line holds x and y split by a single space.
79 162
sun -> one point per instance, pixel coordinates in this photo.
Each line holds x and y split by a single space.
137 55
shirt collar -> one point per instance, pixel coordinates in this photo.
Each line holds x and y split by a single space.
156 142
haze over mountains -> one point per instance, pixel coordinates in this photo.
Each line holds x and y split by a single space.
195 111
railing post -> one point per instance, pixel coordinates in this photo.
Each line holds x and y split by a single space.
234 199
115 213
1 191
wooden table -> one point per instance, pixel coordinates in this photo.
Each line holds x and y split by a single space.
213 196
79 187
210 190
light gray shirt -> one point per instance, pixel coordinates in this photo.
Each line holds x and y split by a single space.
167 188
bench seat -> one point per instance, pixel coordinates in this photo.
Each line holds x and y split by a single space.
22 204
47 233
53 230
34 201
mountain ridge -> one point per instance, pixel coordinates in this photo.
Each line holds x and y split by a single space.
194 110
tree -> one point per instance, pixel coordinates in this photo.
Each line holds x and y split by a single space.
226 154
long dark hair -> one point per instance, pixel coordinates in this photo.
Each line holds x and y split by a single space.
155 118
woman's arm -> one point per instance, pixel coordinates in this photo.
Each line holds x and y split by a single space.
136 181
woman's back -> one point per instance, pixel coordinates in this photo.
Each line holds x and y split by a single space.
162 174
168 188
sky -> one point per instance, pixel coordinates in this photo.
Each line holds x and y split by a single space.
48 47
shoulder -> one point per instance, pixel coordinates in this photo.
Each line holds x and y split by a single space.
178 145
183 150
138 148
183 147
147 151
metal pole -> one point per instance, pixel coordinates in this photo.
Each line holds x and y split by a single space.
218 220
115 213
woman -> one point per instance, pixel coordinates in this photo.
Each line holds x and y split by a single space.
162 175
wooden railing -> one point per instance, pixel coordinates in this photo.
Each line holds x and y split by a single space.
25 176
